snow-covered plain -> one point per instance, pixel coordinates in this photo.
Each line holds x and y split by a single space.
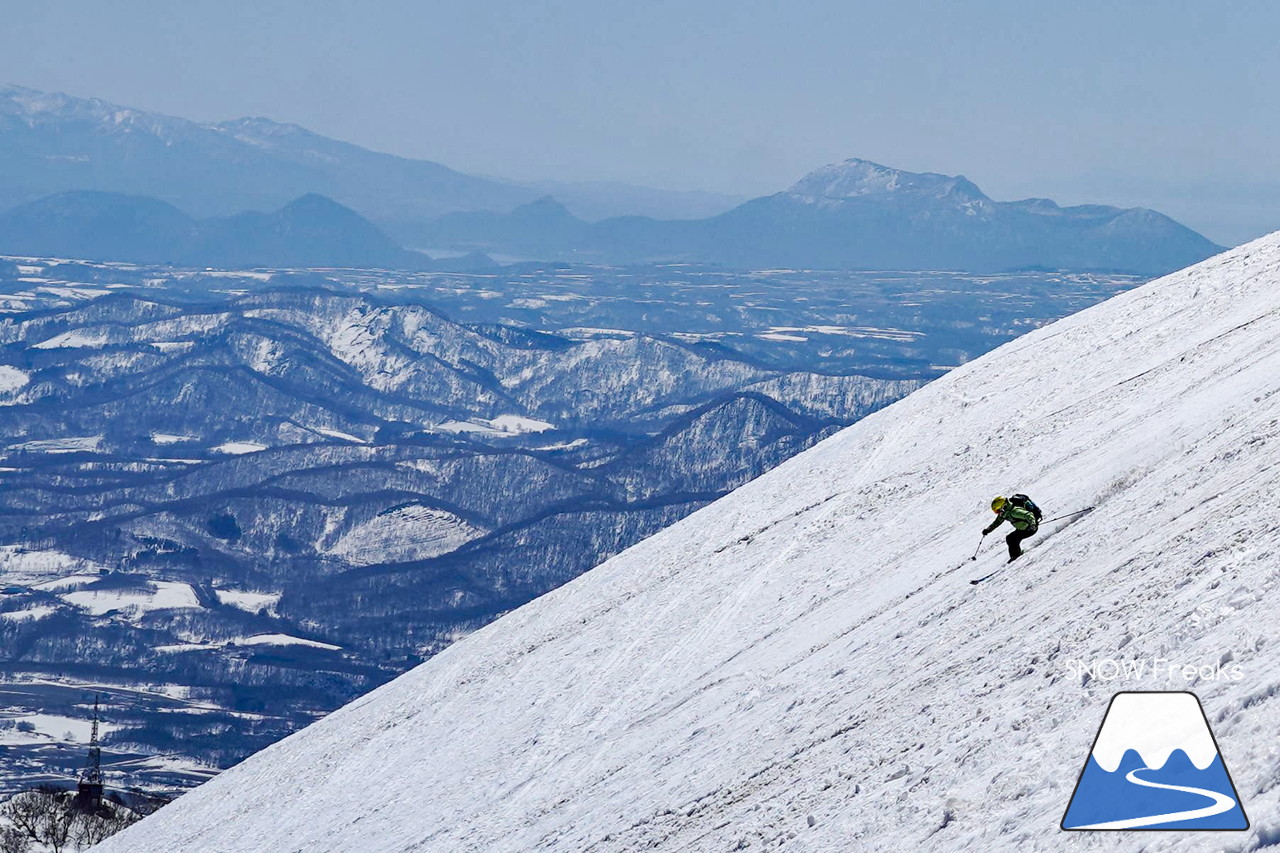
31 613
250 601
156 595
46 727
803 665
48 569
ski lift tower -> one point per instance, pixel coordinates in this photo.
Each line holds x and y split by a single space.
89 788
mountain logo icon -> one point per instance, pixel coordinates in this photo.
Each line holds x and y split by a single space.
1155 765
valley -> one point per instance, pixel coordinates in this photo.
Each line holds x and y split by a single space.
233 501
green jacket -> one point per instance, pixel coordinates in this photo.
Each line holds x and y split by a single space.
1020 518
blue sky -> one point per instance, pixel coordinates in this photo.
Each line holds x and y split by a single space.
1172 105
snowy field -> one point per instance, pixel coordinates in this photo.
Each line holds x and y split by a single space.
156 595
412 532
26 566
804 665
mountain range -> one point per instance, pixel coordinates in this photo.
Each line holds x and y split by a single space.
851 215
311 231
51 142
805 664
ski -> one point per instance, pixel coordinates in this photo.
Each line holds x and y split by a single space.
984 577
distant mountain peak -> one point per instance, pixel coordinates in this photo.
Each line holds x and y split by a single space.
856 178
266 133
37 109
543 208
261 124
317 203
22 99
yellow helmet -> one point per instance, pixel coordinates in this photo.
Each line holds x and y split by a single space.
998 503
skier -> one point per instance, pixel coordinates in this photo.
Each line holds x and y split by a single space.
1022 513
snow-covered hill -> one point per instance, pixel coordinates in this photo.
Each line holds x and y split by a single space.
804 665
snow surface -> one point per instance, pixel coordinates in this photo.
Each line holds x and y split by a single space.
255 640
283 640
412 532
339 434
60 445
238 448
47 570
157 595
174 346
518 424
31 614
75 339
250 601
67 582
502 425
188 647
11 378
171 438
47 727
804 665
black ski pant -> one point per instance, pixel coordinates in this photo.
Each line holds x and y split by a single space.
1015 541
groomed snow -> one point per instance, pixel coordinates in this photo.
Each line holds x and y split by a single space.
803 665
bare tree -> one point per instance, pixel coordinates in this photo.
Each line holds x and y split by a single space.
45 816
49 817
92 828
13 841
23 811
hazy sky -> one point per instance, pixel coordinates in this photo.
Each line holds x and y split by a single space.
1172 105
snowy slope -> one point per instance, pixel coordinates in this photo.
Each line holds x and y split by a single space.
803 664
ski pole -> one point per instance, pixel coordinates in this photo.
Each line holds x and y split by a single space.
979 548
1068 515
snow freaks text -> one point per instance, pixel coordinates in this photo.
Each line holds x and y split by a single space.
1157 669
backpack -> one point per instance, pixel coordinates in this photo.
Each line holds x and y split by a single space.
1026 503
